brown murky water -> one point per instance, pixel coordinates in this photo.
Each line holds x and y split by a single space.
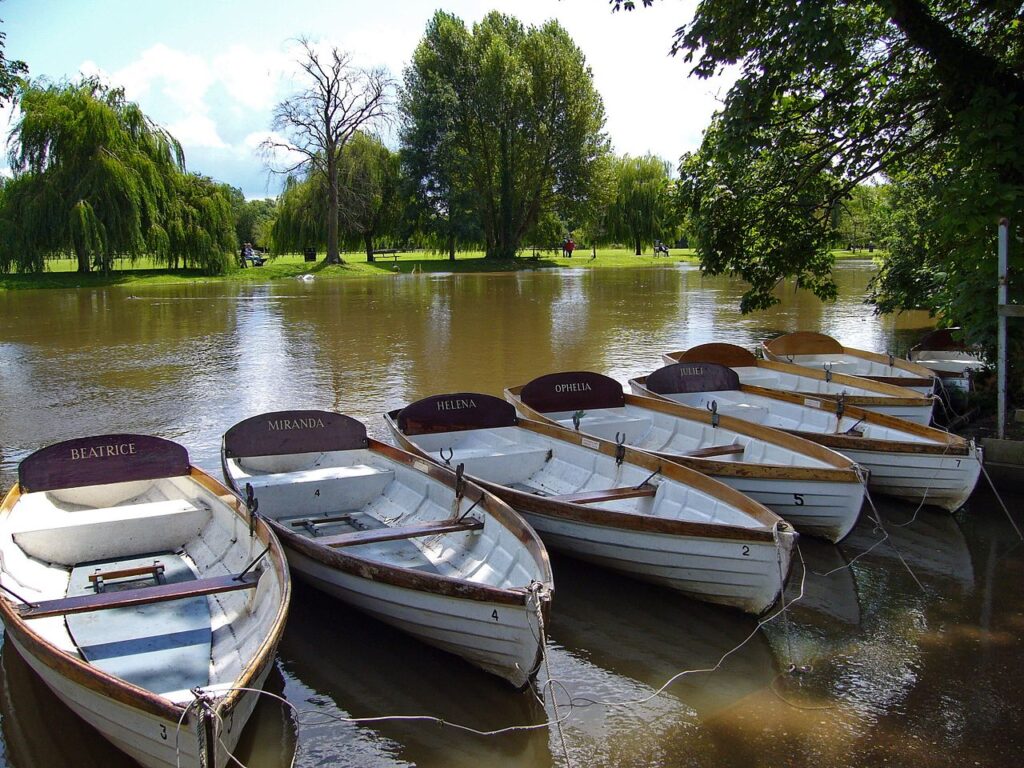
907 652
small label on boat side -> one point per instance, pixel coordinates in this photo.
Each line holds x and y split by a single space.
586 443
812 403
421 466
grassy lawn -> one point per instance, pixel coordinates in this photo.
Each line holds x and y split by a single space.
61 272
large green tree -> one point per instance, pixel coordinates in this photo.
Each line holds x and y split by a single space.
926 92
502 118
93 176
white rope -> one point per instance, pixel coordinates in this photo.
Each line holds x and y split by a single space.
535 589
1000 500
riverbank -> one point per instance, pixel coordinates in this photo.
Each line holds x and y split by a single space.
61 272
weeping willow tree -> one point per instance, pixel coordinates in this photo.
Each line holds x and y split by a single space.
93 177
199 226
300 221
641 210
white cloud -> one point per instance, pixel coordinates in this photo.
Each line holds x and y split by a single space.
251 77
196 130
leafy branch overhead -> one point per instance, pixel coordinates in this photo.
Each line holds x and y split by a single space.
831 95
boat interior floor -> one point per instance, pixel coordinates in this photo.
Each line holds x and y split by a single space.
403 553
161 647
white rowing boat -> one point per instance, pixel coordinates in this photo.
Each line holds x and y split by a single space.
817 490
143 594
787 377
607 503
905 460
821 352
399 538
948 357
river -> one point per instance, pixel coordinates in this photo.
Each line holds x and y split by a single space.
904 652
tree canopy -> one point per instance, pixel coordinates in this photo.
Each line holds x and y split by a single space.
10 72
92 177
501 123
831 94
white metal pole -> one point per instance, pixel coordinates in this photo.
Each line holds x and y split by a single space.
1004 227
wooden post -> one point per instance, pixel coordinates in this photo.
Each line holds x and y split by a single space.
1004 225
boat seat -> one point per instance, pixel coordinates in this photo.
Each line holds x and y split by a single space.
430 528
608 494
318 491
110 532
141 596
714 450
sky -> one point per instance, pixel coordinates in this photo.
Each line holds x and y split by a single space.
211 71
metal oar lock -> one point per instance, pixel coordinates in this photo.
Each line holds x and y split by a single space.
713 407
252 504
577 418
447 459
828 371
620 448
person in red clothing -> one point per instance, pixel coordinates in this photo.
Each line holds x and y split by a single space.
568 247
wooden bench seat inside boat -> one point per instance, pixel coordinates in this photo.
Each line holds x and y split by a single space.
66 538
140 596
608 494
430 528
319 490
715 450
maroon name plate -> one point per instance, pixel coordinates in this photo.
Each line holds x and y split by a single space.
692 377
573 391
285 432
724 354
456 412
100 460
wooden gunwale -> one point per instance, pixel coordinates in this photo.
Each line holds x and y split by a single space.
842 469
551 507
943 443
357 565
803 343
115 689
888 394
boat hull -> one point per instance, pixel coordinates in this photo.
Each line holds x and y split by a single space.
152 740
941 480
498 636
743 574
827 510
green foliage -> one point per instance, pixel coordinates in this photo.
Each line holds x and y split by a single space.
747 221
642 209
253 218
369 201
199 227
500 124
96 178
10 73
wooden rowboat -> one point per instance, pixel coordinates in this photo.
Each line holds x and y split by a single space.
821 352
403 540
948 358
607 503
787 377
903 459
815 489
142 593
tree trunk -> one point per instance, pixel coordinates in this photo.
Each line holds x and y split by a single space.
368 243
83 260
639 246
451 247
